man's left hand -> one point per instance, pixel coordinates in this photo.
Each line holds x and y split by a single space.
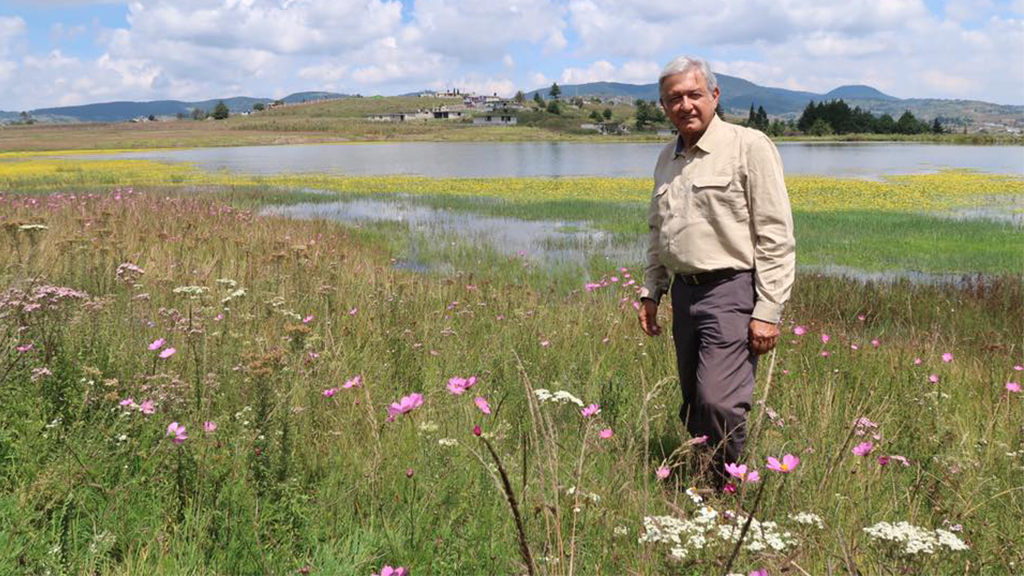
763 336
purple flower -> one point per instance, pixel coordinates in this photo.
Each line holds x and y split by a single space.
406 404
590 410
177 432
157 344
863 449
167 353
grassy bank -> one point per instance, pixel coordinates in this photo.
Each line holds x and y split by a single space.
289 465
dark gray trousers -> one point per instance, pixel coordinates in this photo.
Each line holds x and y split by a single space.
710 327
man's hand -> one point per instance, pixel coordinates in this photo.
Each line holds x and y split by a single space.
763 336
649 317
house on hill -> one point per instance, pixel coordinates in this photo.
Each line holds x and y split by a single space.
495 119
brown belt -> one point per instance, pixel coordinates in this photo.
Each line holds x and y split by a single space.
707 277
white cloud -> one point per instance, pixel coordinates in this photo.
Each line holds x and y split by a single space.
13 31
475 31
633 71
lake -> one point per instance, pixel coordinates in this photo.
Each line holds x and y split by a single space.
493 159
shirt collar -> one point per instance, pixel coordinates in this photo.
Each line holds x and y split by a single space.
710 140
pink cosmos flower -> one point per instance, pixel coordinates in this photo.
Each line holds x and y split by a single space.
353 383
308 319
147 407
406 404
24 348
863 449
482 404
129 402
825 354
615 278
662 472
736 470
353 311
209 426
752 476
854 347
729 488
759 572
157 344
590 410
788 463
177 432
825 338
330 392
947 357
1018 367
389 571
477 431
861 317
876 343
697 440
933 378
606 433
900 459
458 385
545 343
1013 387
917 361
636 305
800 330
167 353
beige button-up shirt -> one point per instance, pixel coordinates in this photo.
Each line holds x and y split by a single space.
722 204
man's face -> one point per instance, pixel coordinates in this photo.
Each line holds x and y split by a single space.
687 102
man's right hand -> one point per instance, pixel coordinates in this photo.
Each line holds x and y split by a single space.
649 317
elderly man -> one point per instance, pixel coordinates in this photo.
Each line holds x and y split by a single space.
721 233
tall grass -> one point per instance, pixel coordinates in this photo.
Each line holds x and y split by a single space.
266 314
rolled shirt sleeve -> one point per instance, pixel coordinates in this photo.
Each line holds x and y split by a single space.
656 276
772 225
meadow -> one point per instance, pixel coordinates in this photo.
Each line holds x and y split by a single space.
188 387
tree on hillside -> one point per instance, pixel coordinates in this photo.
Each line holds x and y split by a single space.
520 97
909 124
538 100
555 92
554 107
199 114
595 115
607 113
259 107
937 126
220 111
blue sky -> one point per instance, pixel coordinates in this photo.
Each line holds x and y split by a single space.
65 52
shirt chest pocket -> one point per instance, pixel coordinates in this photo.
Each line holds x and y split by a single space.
714 198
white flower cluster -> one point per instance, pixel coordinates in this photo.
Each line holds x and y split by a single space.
684 534
428 426
808 519
557 397
760 536
584 495
448 442
192 292
915 539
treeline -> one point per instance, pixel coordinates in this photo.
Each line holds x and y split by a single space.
836 117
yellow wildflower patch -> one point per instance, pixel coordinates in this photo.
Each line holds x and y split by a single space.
929 192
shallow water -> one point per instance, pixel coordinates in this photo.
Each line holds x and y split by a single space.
549 242
497 159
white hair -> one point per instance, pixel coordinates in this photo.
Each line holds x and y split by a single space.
684 64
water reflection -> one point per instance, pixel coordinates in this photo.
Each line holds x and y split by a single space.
549 242
555 159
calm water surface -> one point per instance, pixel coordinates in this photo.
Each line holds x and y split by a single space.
491 159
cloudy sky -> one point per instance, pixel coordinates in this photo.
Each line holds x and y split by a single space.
64 52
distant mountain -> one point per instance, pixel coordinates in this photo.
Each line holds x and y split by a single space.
122 111
738 95
858 92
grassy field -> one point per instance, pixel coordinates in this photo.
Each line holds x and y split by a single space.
135 296
344 121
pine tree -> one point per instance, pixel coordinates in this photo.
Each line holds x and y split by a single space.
220 112
555 92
